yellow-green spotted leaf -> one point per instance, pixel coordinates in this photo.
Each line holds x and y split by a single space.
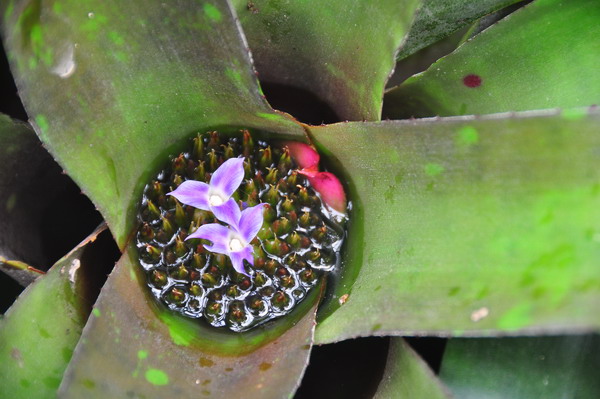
112 89
133 346
342 51
541 56
473 226
40 331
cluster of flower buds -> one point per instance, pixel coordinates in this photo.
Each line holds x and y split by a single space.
237 232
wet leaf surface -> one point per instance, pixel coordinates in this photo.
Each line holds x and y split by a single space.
473 226
408 376
113 90
524 367
349 69
133 347
40 331
542 58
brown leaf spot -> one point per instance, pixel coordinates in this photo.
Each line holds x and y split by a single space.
16 354
205 362
264 366
343 299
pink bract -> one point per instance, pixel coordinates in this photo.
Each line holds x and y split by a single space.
303 154
326 184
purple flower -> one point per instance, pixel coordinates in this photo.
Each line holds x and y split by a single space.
215 196
234 241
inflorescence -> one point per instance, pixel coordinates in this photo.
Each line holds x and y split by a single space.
234 232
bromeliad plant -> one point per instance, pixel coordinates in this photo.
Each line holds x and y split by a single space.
459 225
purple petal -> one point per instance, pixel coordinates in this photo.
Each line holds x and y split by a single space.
228 177
237 259
215 233
229 212
250 222
194 193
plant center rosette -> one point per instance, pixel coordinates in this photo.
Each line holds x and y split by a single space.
237 232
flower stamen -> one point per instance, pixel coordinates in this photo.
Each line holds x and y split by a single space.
235 245
215 200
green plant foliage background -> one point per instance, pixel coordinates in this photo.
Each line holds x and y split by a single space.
461 226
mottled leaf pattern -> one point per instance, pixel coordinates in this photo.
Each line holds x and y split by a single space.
541 56
134 346
468 226
341 50
437 19
40 331
113 90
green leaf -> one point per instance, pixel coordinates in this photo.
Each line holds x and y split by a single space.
29 181
133 346
40 331
23 273
546 367
541 56
468 225
406 375
342 51
437 19
112 90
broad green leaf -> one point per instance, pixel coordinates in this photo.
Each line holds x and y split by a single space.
342 51
40 331
468 225
540 367
408 376
541 56
29 181
112 90
437 19
133 346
